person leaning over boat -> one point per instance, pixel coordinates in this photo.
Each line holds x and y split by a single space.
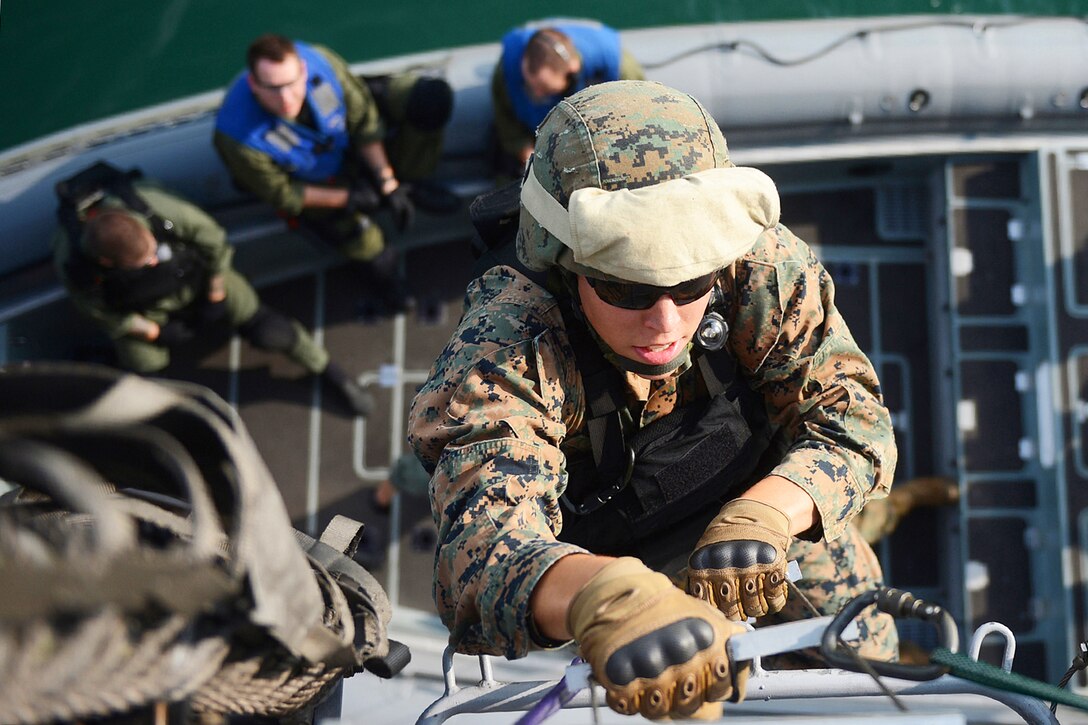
634 228
542 63
154 272
302 133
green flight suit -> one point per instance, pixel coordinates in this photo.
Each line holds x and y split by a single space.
192 228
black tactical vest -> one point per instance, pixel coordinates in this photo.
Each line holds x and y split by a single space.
123 290
651 492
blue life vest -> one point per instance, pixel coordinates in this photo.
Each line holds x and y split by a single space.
305 153
598 45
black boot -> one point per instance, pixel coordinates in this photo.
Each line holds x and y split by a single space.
381 276
360 401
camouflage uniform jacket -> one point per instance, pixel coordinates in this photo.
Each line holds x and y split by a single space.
192 227
259 174
504 401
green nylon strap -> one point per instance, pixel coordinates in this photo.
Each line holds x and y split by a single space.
986 674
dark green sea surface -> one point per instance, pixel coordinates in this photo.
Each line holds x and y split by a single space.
65 62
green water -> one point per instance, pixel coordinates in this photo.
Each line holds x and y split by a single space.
64 62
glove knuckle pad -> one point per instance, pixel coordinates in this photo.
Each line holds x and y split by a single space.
737 554
652 654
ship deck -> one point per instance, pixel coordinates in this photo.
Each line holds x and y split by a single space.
958 274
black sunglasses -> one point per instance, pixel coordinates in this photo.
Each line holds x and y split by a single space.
631 296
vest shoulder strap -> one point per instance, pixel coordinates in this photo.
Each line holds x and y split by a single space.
82 192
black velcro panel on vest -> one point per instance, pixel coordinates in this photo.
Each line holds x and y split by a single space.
696 443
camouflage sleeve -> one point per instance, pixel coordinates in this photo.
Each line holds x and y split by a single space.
819 387
490 420
513 134
191 224
363 120
630 68
260 175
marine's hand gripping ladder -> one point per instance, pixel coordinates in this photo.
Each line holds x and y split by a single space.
489 695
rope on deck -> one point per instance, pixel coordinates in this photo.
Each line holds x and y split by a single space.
983 673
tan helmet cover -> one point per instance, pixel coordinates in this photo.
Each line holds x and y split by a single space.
631 180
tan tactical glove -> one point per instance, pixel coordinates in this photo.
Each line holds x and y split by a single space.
739 564
655 650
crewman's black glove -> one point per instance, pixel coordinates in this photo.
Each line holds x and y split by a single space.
739 563
400 203
655 650
212 313
174 333
362 199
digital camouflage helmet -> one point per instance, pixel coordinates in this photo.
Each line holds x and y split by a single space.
631 180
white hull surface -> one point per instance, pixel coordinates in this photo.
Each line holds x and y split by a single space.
793 83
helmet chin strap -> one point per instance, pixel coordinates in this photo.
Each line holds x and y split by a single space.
634 366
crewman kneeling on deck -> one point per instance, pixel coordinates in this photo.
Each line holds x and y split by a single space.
299 131
153 271
658 388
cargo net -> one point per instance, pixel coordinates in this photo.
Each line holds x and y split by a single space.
146 558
